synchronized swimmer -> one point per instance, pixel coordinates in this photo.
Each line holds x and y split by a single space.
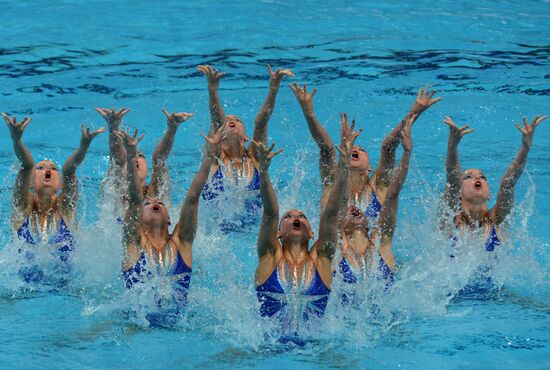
358 207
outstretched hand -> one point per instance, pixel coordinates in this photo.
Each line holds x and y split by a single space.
304 98
112 117
347 138
130 142
456 133
16 128
278 75
528 130
87 136
212 75
423 100
174 120
265 154
213 141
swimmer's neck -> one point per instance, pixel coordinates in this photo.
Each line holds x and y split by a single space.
358 242
233 151
157 234
475 210
358 180
44 201
295 252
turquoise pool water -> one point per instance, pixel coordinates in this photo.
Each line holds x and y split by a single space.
489 61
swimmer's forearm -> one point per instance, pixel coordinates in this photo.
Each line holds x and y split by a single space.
268 195
117 152
23 155
392 140
318 132
388 215
329 222
199 180
452 165
75 160
267 235
135 193
23 180
514 171
327 155
164 147
387 152
337 198
263 116
399 179
217 114
505 197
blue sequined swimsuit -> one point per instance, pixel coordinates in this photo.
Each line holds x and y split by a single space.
32 273
141 271
168 309
385 273
374 207
252 204
483 283
310 302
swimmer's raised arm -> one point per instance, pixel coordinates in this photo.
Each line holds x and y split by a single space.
329 223
453 169
22 183
160 175
187 225
383 172
267 236
263 116
130 228
505 198
69 184
217 114
327 157
117 153
388 215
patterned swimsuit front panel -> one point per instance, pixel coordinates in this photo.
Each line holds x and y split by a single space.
308 302
62 243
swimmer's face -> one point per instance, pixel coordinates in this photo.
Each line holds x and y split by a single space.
360 159
474 186
141 164
235 127
154 212
355 219
295 225
46 176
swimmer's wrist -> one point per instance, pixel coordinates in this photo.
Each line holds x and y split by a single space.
308 112
171 127
275 83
